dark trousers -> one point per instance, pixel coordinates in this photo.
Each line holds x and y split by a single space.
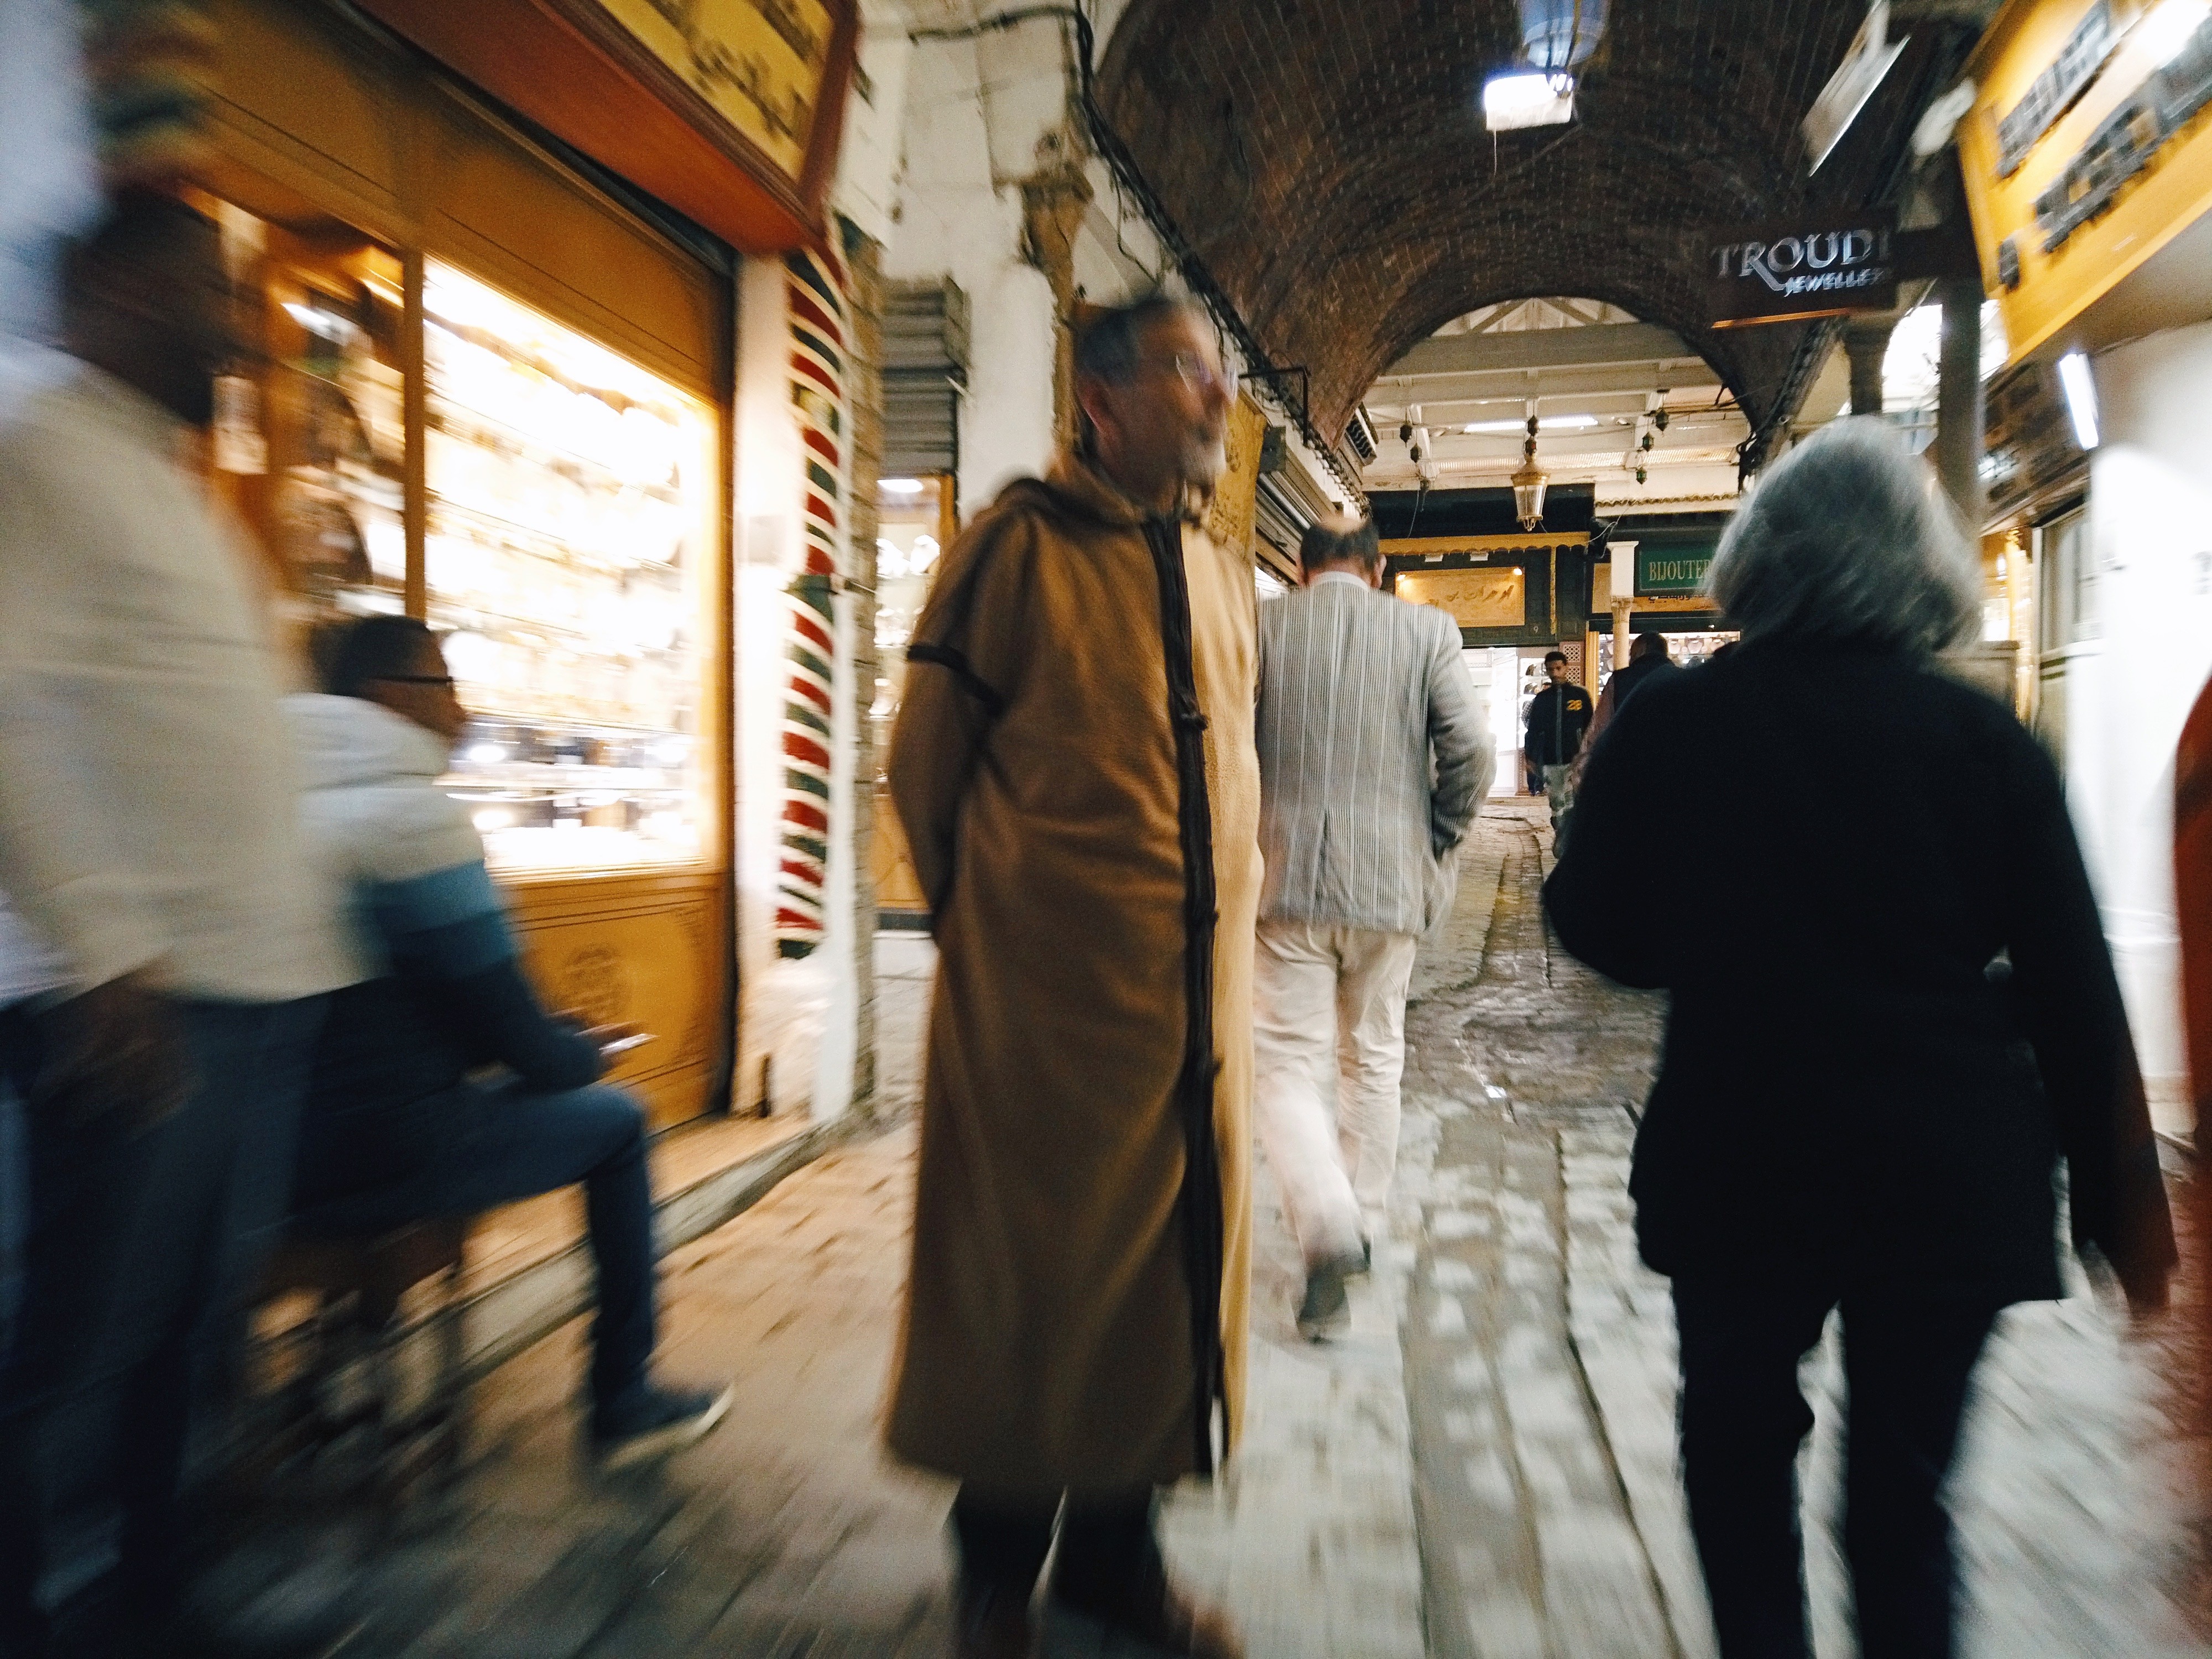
1109 1558
138 1259
501 1143
1906 1364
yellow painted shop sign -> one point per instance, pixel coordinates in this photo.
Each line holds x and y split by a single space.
758 62
1230 515
1484 596
2085 151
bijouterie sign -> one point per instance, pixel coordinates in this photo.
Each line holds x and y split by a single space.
1813 267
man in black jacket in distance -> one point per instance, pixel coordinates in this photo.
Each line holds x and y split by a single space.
1559 718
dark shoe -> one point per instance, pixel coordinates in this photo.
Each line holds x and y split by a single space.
1327 1310
655 1422
993 1624
1167 1621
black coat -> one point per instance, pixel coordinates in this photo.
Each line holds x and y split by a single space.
1821 854
1557 717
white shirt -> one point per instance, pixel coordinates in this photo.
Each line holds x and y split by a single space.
149 800
1344 576
27 967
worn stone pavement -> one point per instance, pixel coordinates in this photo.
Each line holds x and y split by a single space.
1485 1466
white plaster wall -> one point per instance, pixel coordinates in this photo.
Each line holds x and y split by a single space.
956 218
2150 530
867 185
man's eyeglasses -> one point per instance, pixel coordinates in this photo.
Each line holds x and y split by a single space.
1195 372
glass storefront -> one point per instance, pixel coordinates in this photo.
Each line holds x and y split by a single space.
570 507
570 510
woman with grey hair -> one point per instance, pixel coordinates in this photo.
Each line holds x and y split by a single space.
1893 1013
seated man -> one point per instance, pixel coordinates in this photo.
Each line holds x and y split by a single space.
400 1124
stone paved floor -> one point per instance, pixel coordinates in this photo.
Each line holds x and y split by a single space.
1541 1354
1484 1468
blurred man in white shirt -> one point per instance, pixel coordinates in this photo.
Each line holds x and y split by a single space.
149 836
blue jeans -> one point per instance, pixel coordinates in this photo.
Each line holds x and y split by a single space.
496 1144
138 1255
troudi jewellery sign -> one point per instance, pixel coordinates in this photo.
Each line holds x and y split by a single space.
1665 570
1816 266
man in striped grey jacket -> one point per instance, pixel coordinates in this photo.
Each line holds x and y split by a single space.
1373 760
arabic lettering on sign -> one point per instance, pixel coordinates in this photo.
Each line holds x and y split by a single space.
2126 141
2055 90
758 62
1231 513
1480 598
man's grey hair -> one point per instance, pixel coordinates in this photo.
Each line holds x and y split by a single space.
1848 540
1340 541
1109 341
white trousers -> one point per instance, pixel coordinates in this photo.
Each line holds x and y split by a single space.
1329 1019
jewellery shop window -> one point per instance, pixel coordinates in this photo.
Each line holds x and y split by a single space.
570 525
569 521
309 439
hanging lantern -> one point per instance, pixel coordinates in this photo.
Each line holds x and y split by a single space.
1528 484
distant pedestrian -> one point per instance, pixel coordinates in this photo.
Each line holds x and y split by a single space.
150 836
1648 660
1867 937
1372 764
1558 719
1074 766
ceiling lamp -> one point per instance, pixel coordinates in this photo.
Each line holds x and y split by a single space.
1527 99
1560 423
1528 484
1556 36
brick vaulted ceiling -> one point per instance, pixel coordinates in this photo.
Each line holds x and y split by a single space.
1328 162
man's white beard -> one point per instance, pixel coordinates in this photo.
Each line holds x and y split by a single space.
1204 461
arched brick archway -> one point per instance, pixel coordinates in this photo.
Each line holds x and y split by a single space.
1326 159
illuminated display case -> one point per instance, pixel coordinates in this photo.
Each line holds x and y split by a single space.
310 439
554 507
570 508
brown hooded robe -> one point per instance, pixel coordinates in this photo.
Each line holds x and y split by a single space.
1077 715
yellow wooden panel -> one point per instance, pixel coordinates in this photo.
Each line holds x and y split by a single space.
897 886
1230 515
524 224
647 950
306 100
2161 202
1486 597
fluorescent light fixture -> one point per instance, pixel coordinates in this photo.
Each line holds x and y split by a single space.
1552 423
901 486
2166 31
1530 99
2080 398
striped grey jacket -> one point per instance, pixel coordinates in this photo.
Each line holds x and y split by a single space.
1373 758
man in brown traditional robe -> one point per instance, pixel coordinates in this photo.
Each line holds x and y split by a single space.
1074 766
